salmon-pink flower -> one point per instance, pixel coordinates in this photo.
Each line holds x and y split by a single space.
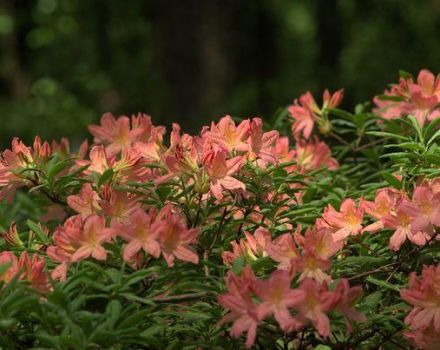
383 205
277 297
12 236
419 99
139 231
318 245
261 144
86 202
33 271
117 134
174 236
17 164
284 251
346 222
220 170
312 155
252 247
314 307
426 338
305 111
425 208
9 259
401 222
228 135
347 298
80 238
424 294
238 299
118 205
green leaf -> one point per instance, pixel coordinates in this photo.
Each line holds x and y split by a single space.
105 177
383 284
38 231
388 134
392 180
238 265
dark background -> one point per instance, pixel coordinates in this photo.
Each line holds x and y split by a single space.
63 63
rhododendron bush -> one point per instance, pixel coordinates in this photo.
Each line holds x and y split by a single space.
315 229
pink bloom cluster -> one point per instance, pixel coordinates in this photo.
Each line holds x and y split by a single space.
419 98
424 319
251 300
24 268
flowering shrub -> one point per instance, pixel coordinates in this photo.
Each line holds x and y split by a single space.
323 238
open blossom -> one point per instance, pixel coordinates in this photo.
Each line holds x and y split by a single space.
261 144
277 297
313 308
80 238
426 338
424 295
140 233
118 205
312 155
117 135
252 247
347 298
318 245
284 251
183 155
383 205
419 98
30 270
305 112
226 134
15 162
86 202
346 222
424 208
238 300
174 237
401 222
220 170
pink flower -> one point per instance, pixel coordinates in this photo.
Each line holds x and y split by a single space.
26 269
424 295
118 205
117 134
312 155
8 258
426 338
305 112
86 202
314 307
12 236
17 164
384 203
261 144
228 135
347 297
252 247
284 251
80 238
238 299
346 222
425 208
139 231
174 237
401 222
220 170
277 297
318 245
418 99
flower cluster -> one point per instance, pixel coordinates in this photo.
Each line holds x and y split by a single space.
295 239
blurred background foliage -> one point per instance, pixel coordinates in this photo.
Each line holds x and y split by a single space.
63 63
